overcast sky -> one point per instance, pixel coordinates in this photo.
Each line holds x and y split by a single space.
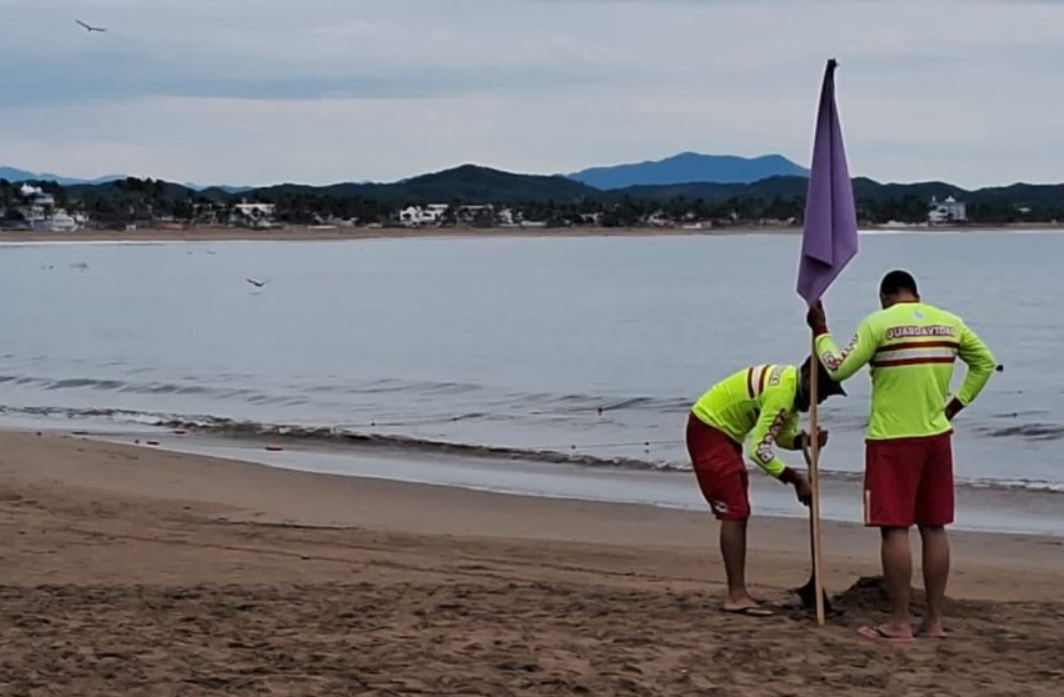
261 91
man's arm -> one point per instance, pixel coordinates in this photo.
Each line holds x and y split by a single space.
770 427
841 365
788 438
981 364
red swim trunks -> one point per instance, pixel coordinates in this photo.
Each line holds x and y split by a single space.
909 481
718 464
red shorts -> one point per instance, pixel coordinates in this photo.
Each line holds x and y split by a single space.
718 464
909 482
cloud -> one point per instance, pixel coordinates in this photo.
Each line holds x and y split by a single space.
351 89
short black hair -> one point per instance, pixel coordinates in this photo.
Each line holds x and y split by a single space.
897 281
825 382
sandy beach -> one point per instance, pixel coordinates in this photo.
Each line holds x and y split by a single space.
134 571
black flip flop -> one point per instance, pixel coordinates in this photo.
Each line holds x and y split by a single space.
940 637
749 611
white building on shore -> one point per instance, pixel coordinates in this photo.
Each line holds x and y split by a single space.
947 211
253 215
36 206
62 222
417 216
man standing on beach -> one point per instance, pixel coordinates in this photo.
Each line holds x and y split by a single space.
911 347
764 400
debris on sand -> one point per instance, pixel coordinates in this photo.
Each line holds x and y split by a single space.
869 593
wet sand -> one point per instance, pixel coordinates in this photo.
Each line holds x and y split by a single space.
138 572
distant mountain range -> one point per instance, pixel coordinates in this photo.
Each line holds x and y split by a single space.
553 198
689 167
684 168
475 184
13 174
464 183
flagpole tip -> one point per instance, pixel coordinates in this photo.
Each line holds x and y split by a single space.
832 64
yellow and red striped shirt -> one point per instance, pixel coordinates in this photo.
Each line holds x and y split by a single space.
758 402
911 349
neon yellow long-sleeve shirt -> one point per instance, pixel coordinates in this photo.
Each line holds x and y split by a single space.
911 348
758 401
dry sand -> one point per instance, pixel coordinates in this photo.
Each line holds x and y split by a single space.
131 571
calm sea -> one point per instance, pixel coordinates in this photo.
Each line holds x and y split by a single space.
587 348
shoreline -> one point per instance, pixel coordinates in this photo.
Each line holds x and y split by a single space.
1007 508
137 571
227 234
990 509
242 492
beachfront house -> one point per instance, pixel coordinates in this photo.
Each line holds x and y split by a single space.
507 218
658 219
253 215
481 216
946 211
61 221
35 207
419 216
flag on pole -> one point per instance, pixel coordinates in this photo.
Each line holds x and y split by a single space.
829 239
829 242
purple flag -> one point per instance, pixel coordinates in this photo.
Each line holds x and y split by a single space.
829 240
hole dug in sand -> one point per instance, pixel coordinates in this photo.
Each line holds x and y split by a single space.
869 594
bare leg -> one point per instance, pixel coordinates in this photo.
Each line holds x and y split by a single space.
898 574
733 549
936 575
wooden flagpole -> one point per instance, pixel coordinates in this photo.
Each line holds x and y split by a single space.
829 242
814 482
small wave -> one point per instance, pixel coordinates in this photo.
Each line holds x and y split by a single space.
144 388
79 383
356 434
497 404
1035 485
574 455
330 434
115 415
664 405
364 435
1031 431
1021 414
234 428
389 386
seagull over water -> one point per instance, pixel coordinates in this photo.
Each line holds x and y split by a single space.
89 28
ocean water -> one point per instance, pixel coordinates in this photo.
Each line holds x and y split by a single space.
582 351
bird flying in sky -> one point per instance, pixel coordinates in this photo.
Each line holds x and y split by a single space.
257 284
89 28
